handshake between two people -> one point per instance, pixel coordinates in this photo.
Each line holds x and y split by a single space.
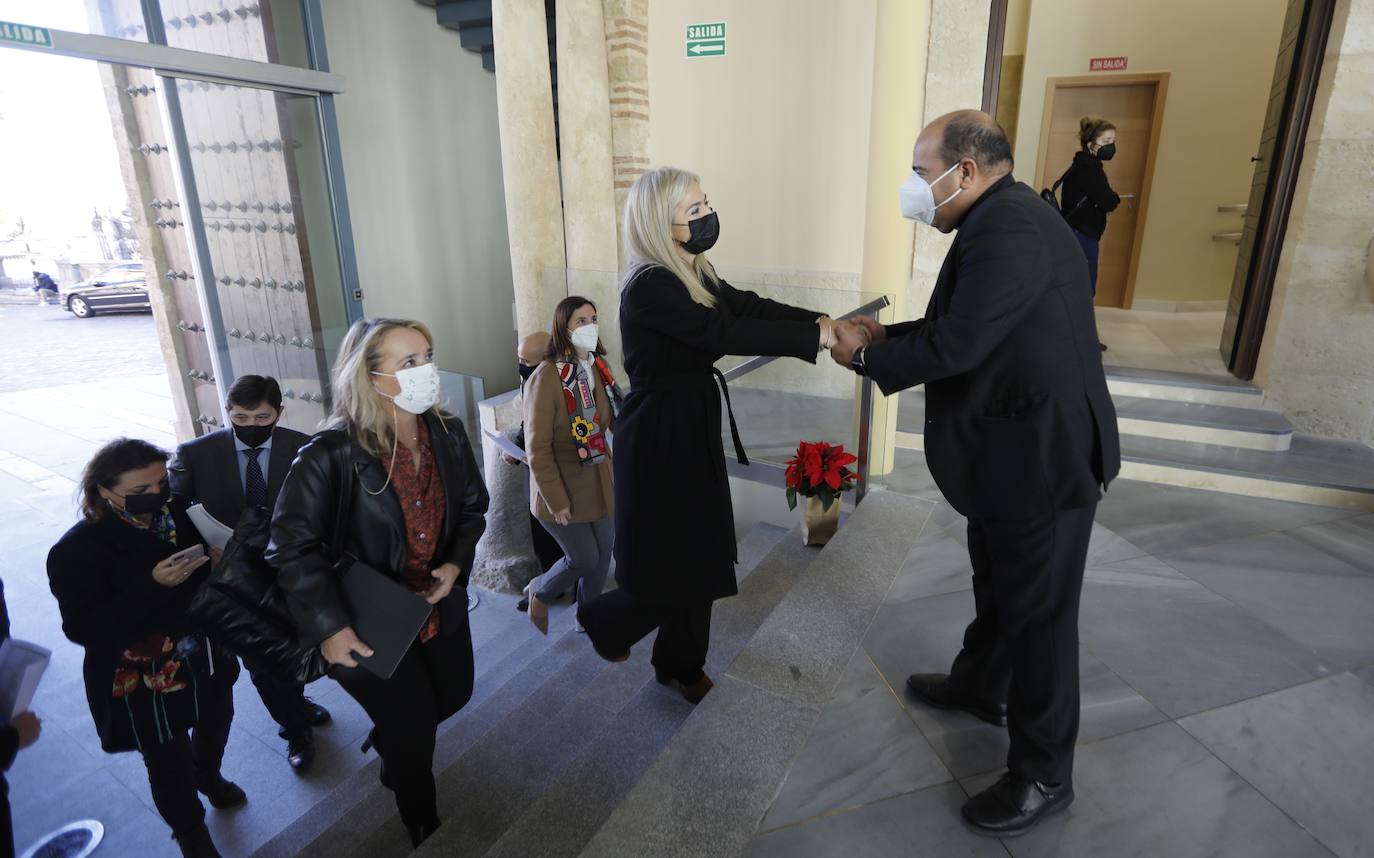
844 337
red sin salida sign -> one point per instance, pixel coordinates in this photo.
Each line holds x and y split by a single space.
1107 64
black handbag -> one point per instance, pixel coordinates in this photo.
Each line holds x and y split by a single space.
242 608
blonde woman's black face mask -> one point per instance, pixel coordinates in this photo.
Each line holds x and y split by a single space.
705 230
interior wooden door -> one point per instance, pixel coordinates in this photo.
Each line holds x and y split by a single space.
1131 108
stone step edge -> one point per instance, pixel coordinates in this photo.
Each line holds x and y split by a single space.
766 575
363 785
757 762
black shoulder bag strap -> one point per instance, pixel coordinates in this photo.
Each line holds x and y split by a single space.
1081 200
344 506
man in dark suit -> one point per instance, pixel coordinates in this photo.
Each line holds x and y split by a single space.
1020 436
228 471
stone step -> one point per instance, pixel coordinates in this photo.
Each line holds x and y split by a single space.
503 640
1182 386
569 813
706 793
1312 470
1219 425
521 681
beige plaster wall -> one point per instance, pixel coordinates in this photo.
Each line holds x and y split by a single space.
778 128
1220 56
422 160
1317 363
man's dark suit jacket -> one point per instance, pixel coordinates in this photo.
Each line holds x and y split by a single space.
206 471
1019 422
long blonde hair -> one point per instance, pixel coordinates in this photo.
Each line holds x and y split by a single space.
649 232
358 407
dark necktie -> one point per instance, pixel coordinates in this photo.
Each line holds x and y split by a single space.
255 490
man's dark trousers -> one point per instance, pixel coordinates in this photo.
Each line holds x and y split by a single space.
1022 647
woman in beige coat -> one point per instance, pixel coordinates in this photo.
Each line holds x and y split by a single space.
570 405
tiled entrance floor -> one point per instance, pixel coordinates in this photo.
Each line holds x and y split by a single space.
1227 676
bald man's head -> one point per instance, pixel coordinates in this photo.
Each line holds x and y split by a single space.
970 134
532 349
961 155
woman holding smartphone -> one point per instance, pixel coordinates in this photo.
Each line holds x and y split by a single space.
123 577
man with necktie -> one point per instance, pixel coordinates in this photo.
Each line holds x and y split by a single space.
240 467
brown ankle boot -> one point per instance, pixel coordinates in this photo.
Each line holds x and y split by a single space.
696 691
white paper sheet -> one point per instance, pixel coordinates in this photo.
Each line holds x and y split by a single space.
215 532
21 667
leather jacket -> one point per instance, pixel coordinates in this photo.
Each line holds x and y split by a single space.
303 524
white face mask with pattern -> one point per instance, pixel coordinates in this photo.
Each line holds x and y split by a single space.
419 388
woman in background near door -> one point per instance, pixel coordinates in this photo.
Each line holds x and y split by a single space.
1087 195
570 404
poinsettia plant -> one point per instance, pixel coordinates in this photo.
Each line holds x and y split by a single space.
820 470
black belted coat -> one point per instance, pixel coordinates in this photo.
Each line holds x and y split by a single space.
674 524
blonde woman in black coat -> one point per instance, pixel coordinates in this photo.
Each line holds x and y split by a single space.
675 536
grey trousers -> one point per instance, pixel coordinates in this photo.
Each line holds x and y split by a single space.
586 558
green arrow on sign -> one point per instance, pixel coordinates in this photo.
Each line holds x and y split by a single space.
23 34
706 40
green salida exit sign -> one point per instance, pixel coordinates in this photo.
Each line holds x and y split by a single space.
706 40
23 34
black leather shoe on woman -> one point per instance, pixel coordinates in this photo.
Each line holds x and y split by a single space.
1014 805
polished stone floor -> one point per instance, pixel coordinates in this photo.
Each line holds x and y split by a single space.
1146 339
1227 675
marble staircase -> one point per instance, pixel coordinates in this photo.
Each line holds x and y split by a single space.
557 743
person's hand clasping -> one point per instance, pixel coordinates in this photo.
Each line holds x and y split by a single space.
29 728
563 516
216 555
877 331
171 573
509 459
339 647
851 337
444 578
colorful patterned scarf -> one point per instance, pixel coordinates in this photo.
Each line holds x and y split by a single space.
580 398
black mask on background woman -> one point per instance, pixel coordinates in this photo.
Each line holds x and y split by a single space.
1107 153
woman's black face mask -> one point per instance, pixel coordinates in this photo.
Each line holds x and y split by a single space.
149 502
705 231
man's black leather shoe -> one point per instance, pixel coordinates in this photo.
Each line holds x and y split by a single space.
1014 805
300 753
934 689
223 794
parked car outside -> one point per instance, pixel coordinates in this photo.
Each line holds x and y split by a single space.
118 289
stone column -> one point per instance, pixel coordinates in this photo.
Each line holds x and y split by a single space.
529 159
589 209
899 70
585 136
627 57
